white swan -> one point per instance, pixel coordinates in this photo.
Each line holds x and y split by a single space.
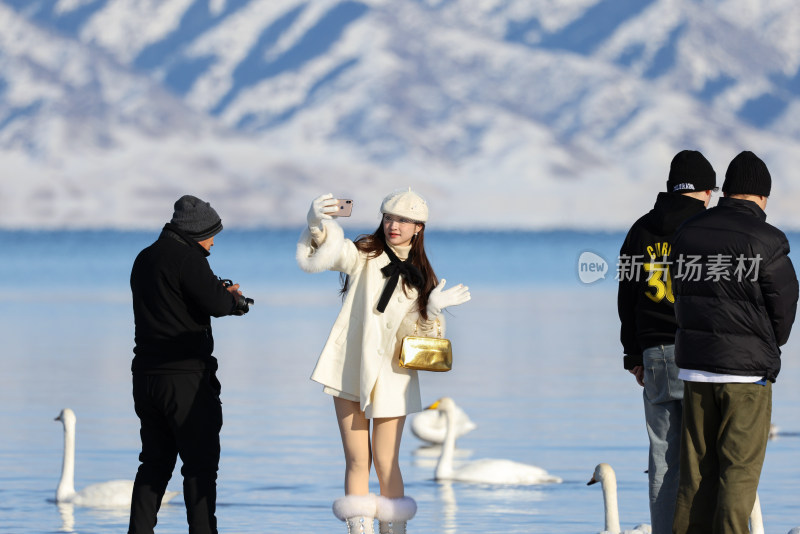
774 431
431 425
604 474
112 494
756 520
486 471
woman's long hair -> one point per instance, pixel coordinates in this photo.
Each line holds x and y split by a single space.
374 244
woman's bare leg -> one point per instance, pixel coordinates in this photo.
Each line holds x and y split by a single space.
354 428
386 436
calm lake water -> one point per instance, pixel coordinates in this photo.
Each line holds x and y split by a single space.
537 366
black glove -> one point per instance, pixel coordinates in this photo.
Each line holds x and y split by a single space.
242 305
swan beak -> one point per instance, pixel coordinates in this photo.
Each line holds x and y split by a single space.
433 406
593 481
57 418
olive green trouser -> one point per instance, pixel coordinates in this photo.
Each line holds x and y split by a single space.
723 442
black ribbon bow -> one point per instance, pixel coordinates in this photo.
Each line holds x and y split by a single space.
393 271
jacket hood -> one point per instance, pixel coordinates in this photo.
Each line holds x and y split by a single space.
671 210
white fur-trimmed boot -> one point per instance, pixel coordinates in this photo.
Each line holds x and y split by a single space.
393 514
358 512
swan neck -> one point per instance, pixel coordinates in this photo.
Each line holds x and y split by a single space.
444 468
611 505
66 486
756 520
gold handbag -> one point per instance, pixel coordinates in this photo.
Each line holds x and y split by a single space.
426 353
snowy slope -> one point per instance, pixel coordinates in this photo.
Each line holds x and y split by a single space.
517 113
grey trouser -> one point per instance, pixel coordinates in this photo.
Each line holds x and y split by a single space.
663 408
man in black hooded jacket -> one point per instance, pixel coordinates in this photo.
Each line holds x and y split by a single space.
645 305
175 389
736 298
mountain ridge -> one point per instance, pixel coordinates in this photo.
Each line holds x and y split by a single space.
503 114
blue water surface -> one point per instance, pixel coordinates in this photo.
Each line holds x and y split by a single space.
537 366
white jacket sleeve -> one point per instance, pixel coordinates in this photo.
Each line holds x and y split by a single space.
326 250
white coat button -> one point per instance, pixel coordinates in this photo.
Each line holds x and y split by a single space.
401 299
388 325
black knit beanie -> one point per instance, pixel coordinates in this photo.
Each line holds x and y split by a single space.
197 218
690 171
747 175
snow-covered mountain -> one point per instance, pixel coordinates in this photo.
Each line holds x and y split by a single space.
504 113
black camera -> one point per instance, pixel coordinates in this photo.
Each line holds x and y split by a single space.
242 303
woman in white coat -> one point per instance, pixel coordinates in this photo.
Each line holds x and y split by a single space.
389 291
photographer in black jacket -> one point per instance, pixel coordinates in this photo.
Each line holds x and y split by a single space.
175 389
645 305
736 297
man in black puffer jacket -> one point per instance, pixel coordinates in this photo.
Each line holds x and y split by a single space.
175 389
736 298
645 305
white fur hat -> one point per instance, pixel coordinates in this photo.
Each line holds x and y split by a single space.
407 204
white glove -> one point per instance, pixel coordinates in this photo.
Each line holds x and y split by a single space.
320 209
440 299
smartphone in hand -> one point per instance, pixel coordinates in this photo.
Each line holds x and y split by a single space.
344 207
